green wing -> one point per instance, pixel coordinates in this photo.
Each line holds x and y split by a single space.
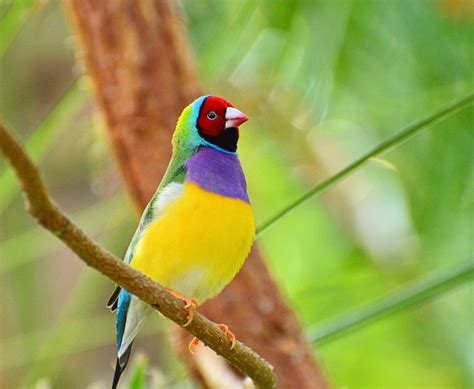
174 173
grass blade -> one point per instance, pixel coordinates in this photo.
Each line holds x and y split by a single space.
12 22
42 137
409 296
395 140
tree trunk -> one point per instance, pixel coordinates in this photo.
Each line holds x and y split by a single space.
142 71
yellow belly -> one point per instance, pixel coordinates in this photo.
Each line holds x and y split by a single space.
199 243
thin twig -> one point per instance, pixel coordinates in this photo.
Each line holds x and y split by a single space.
40 205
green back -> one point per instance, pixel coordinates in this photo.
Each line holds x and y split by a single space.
185 141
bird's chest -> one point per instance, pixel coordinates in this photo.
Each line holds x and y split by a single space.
198 244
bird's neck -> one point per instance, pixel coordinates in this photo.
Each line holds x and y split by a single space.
217 172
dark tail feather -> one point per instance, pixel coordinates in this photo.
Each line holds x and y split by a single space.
113 299
117 374
120 366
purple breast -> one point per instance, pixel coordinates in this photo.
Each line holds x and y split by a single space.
217 172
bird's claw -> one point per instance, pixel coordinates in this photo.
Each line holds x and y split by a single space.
189 303
192 344
230 335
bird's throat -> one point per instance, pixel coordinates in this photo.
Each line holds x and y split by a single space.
217 172
226 140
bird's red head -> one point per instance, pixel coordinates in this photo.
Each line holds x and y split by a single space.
218 123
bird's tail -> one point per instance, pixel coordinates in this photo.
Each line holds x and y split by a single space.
131 313
112 303
120 365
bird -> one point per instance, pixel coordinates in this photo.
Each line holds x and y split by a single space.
198 228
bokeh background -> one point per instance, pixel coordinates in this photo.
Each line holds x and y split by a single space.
324 81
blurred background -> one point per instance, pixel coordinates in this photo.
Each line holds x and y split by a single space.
324 81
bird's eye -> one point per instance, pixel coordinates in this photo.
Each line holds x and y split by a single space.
211 115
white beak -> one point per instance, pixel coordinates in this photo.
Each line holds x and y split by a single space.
234 117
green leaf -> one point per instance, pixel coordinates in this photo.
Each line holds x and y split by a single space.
395 140
415 294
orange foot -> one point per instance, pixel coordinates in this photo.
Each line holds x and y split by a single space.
189 304
226 331
193 344
229 334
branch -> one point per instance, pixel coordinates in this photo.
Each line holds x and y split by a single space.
40 205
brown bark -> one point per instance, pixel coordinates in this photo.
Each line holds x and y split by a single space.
143 75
